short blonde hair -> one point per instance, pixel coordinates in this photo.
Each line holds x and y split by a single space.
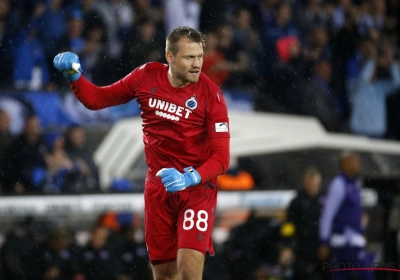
183 32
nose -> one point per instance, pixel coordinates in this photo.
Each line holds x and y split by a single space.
197 62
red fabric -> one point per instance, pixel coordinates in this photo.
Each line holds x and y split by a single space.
218 163
183 219
174 134
283 46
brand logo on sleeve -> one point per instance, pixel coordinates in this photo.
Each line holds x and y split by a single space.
221 127
191 103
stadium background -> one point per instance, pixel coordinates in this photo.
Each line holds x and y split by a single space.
289 58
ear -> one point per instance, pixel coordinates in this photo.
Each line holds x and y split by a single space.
168 57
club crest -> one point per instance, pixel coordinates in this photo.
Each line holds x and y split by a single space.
191 103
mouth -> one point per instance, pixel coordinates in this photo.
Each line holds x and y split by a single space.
194 72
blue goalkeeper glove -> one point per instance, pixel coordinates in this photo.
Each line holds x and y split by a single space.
68 63
174 180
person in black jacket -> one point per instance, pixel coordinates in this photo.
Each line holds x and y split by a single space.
133 256
23 164
300 230
98 259
56 258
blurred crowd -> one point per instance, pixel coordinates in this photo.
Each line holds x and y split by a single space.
112 249
45 163
336 60
285 244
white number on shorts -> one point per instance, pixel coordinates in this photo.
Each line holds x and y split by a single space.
189 214
201 224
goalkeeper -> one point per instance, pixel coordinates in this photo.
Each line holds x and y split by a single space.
186 137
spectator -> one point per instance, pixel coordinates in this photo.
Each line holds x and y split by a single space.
149 10
18 110
52 26
250 247
8 28
237 60
266 10
94 52
133 256
379 77
282 26
341 228
56 258
248 37
14 251
5 133
91 16
118 17
72 40
341 53
342 7
77 149
142 45
319 99
282 91
318 47
23 165
5 140
214 60
182 13
97 261
366 49
300 230
31 70
311 15
64 174
374 16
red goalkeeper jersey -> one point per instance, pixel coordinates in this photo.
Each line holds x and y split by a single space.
182 127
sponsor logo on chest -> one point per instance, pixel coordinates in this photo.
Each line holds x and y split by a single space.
172 111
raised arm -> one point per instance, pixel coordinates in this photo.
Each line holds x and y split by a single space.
91 96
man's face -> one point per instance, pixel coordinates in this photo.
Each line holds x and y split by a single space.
4 119
32 127
186 64
312 184
351 165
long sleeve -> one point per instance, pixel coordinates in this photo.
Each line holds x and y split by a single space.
367 72
395 79
332 204
95 98
218 162
395 70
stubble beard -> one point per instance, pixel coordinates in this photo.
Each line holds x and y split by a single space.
187 78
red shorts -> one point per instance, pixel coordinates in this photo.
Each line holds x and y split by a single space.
183 219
